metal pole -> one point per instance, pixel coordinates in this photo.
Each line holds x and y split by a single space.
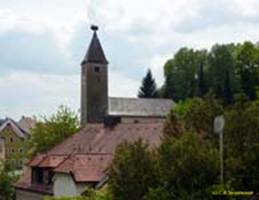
221 157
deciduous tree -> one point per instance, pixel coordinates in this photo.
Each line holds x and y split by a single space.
189 166
52 130
132 172
7 179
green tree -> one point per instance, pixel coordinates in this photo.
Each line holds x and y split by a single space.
247 68
148 88
201 81
221 60
89 194
50 131
132 172
198 114
241 144
7 179
158 193
189 166
173 126
181 73
226 70
228 95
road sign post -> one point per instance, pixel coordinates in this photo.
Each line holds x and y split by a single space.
219 123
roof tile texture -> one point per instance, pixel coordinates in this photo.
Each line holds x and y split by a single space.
87 154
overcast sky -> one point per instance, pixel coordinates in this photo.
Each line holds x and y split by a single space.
42 43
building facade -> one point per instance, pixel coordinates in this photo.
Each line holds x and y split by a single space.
13 138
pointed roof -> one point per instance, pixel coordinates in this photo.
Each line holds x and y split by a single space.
95 51
16 128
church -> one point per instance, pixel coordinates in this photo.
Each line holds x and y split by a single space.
82 160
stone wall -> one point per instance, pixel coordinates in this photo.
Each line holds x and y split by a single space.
141 120
94 93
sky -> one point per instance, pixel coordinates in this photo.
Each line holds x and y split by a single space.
43 42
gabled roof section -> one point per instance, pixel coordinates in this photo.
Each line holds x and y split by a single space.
95 53
16 128
27 123
86 167
88 154
140 107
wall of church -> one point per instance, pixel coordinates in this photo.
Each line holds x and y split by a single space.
94 94
142 120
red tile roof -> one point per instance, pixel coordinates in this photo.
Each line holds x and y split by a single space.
87 154
86 167
36 160
98 139
52 161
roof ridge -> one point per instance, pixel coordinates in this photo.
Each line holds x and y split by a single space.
15 125
137 98
93 153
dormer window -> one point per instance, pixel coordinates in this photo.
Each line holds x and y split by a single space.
37 175
42 175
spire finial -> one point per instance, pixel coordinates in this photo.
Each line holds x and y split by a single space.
94 28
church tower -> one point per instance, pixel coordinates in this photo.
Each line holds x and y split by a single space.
94 83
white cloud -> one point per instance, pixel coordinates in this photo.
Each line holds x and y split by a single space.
43 42
155 15
122 86
24 93
248 8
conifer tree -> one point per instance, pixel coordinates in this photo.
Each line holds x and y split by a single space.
228 95
201 82
148 88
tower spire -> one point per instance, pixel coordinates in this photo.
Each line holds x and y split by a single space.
95 53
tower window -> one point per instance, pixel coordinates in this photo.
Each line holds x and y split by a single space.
97 69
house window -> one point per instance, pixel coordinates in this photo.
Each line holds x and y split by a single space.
11 139
50 177
97 69
20 150
13 163
19 164
13 150
38 175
